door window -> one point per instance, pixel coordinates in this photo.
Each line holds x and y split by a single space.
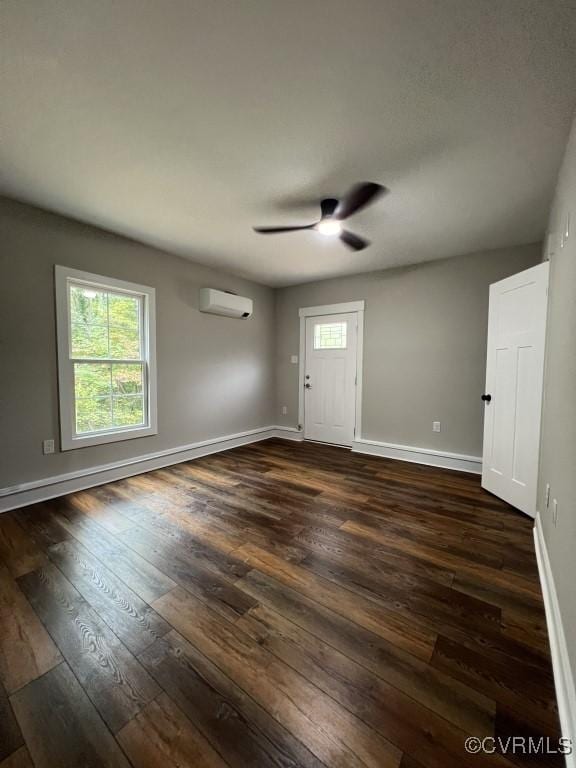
330 336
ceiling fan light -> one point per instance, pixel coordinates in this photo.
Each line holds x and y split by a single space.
329 227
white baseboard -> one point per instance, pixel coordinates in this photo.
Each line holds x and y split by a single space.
428 456
563 674
58 485
289 433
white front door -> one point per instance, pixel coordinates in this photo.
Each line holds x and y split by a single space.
330 378
513 394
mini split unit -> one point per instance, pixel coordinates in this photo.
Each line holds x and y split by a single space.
224 303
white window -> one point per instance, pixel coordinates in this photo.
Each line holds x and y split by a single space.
106 359
330 336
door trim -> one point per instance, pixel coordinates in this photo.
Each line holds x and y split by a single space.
355 307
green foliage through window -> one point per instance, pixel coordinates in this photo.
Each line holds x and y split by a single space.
106 326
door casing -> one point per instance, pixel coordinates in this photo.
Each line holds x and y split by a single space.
332 309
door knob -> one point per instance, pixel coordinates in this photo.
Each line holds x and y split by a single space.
308 386
486 398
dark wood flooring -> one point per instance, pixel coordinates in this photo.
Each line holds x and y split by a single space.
278 605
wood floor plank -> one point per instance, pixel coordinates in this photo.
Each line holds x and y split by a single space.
457 703
61 727
240 730
346 548
433 604
446 540
511 724
161 736
178 523
141 576
19 759
530 631
180 565
332 733
42 526
127 615
89 504
18 551
527 606
440 557
172 532
26 649
10 734
395 716
403 632
510 683
115 682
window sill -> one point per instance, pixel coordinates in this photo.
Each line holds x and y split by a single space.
71 443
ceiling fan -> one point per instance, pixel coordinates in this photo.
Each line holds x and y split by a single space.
335 211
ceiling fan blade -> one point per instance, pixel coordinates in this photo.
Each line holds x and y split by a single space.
277 230
353 241
359 197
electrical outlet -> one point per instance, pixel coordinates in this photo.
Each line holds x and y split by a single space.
47 446
435 426
294 359
284 410
547 495
554 511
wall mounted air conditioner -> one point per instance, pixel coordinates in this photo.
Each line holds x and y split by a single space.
223 303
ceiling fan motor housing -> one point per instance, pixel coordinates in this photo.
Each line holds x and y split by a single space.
328 206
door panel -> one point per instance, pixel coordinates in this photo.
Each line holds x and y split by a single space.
502 411
330 378
524 424
514 374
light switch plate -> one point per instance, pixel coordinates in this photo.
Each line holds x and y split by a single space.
565 234
554 511
435 426
47 447
294 359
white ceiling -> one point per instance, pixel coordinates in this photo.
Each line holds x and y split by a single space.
182 123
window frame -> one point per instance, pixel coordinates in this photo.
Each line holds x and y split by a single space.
317 337
69 438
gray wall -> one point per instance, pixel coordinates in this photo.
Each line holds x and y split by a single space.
424 346
215 374
558 449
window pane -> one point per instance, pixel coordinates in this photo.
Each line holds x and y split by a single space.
93 413
124 343
128 411
330 336
89 340
127 379
124 311
91 379
88 305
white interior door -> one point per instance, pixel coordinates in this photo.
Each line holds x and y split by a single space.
330 378
513 394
